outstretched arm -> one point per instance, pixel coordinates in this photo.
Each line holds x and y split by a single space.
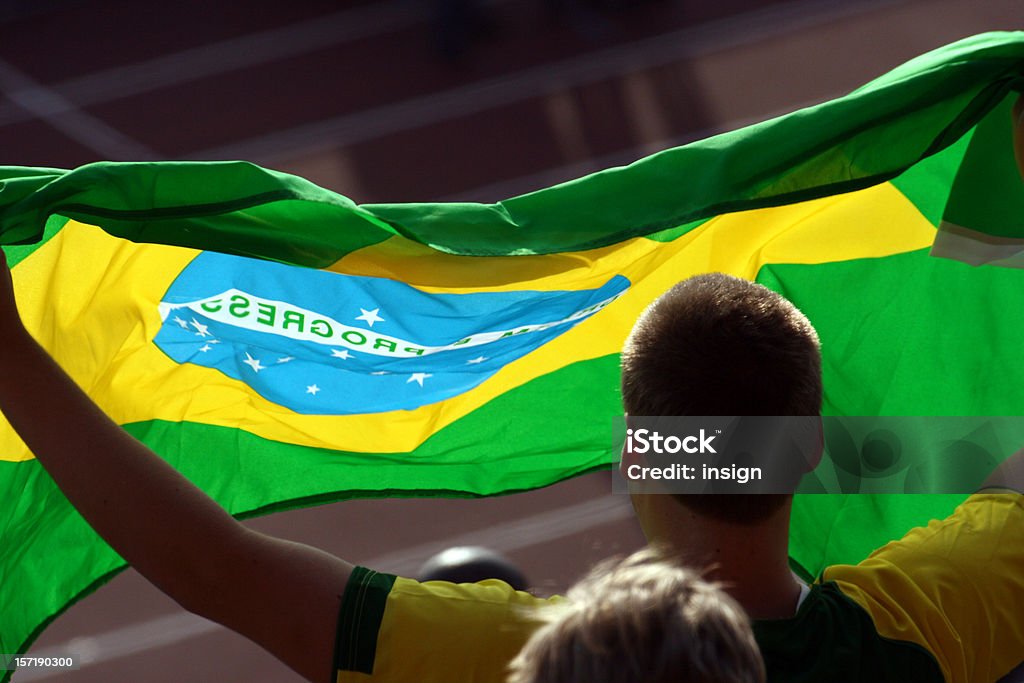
284 596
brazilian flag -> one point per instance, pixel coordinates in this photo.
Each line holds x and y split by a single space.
283 346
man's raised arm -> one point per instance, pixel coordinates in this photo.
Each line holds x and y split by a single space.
284 596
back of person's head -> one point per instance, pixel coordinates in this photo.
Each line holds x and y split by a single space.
641 619
719 345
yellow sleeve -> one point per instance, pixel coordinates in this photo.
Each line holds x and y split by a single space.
395 629
955 587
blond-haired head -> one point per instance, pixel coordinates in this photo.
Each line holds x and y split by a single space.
641 619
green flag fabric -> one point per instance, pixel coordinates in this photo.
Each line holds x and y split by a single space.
283 346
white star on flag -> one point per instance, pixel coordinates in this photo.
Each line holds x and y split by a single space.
254 363
205 347
481 359
312 389
418 377
341 353
201 329
181 323
370 317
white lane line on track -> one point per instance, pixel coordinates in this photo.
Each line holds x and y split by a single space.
241 52
667 48
45 104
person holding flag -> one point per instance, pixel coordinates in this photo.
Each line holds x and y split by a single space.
941 604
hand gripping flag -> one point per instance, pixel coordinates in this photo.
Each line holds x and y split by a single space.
283 346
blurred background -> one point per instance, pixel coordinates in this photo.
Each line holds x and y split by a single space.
416 100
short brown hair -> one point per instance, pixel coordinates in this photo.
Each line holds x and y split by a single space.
719 345
642 619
